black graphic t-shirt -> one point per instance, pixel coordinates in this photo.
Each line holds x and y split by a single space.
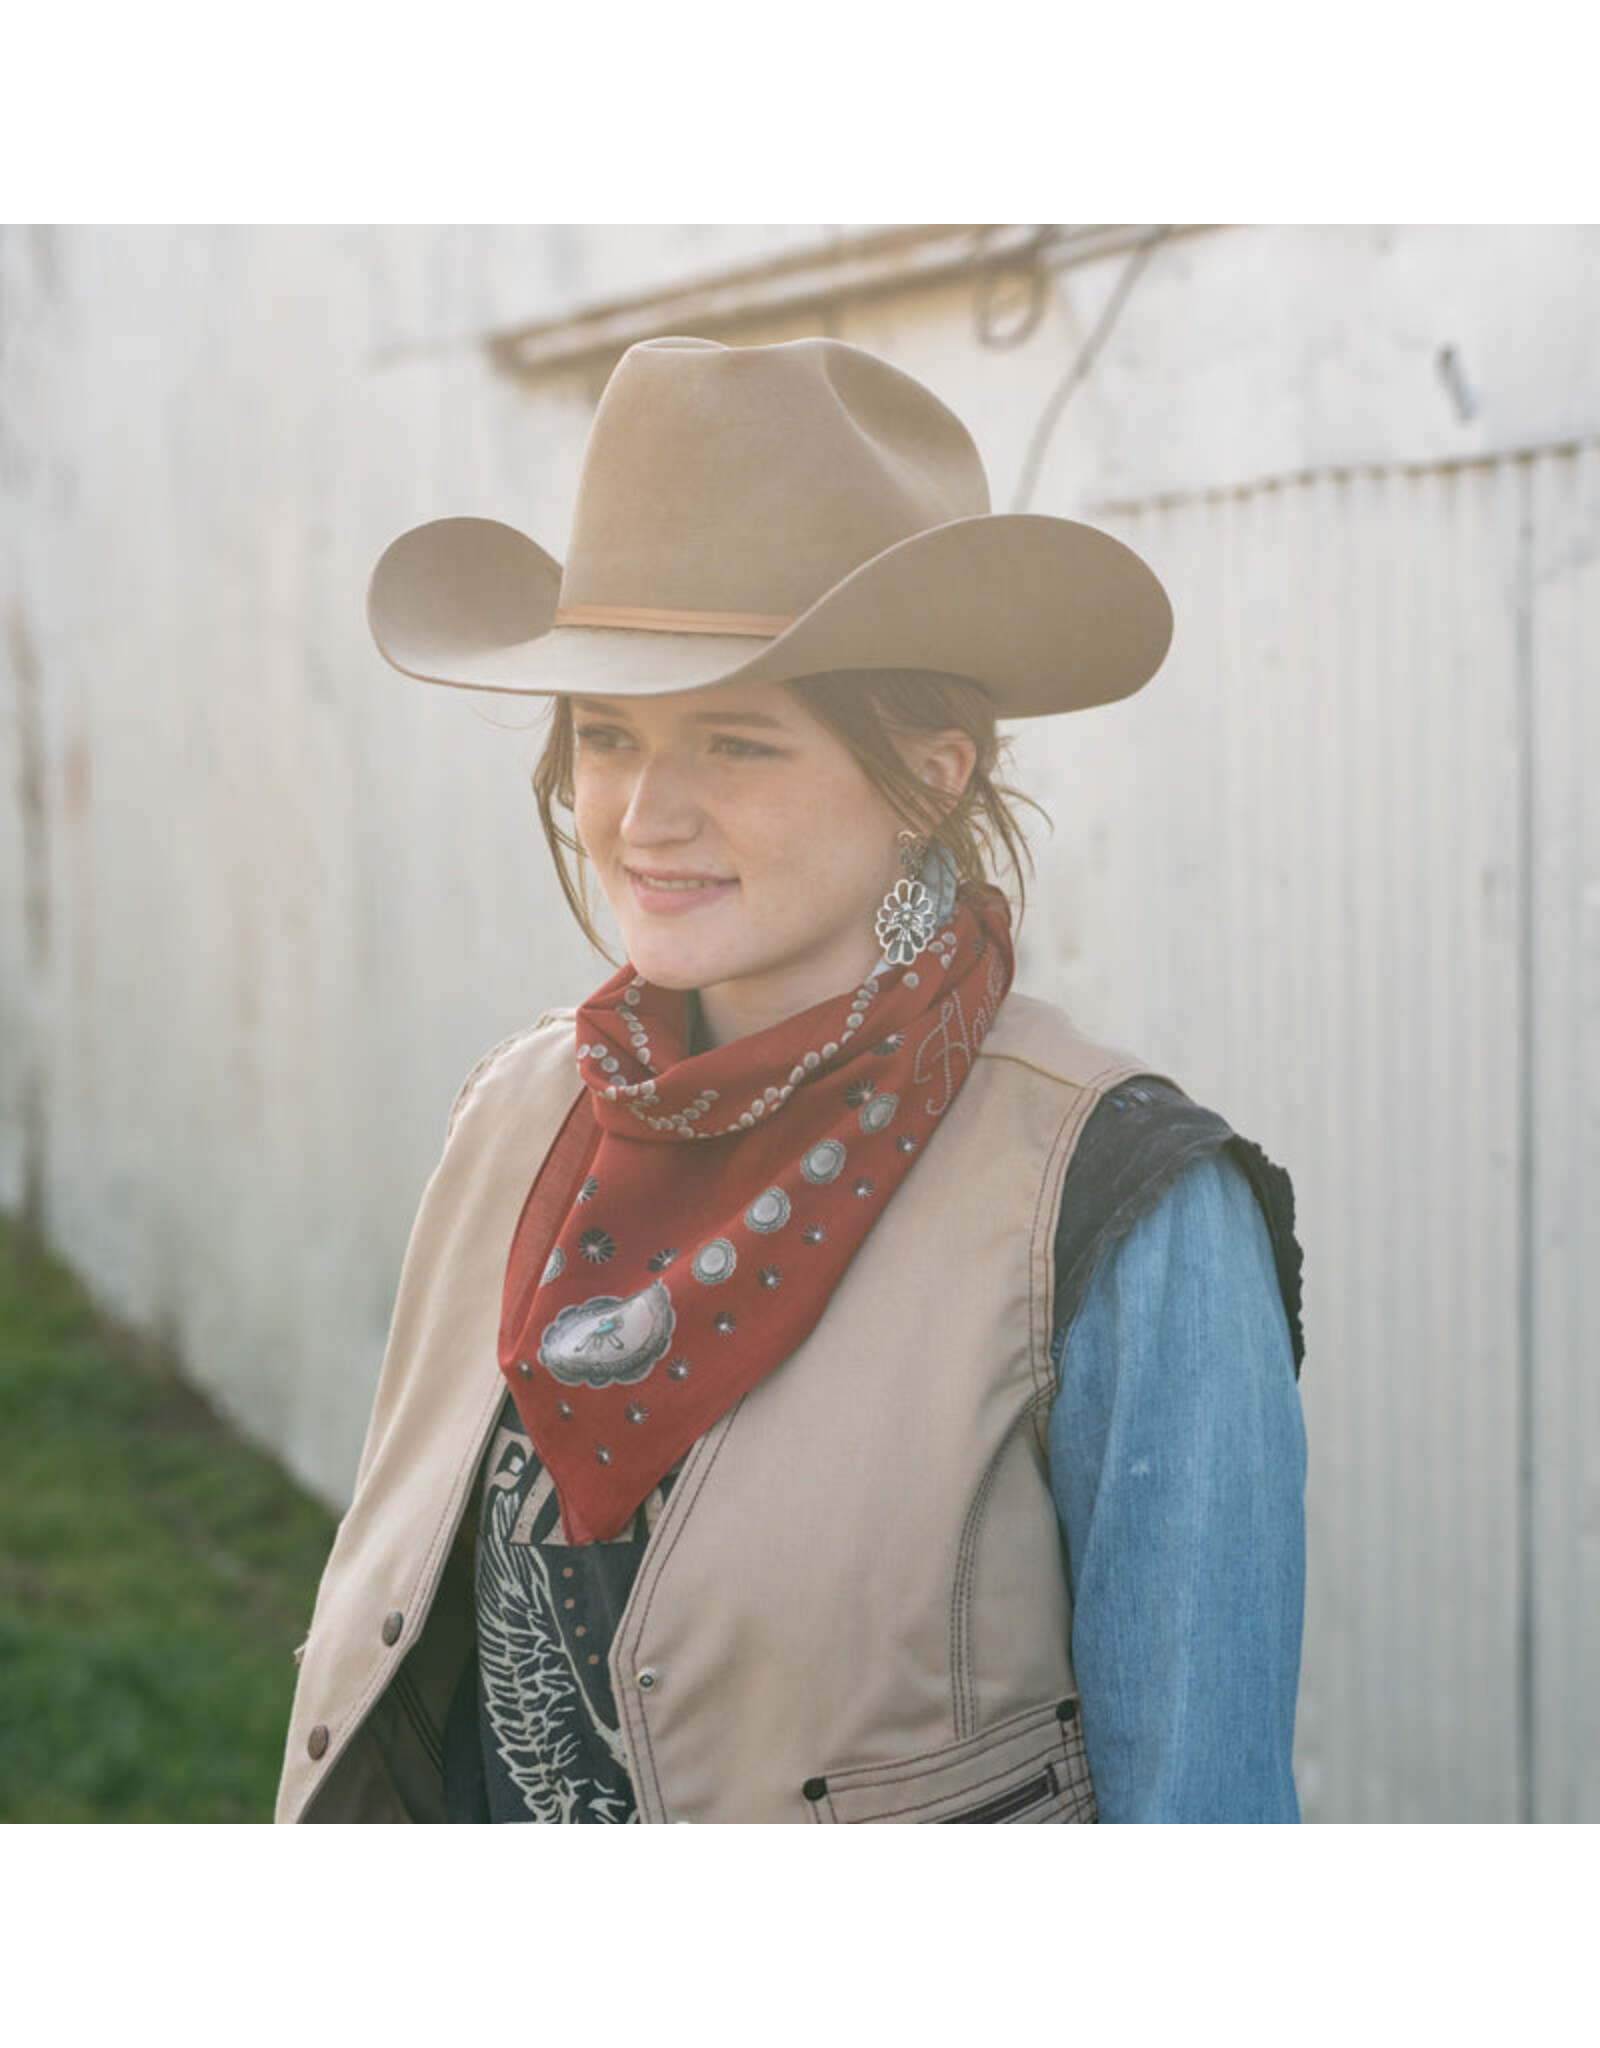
534 1733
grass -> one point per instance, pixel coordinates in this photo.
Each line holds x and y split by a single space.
155 1577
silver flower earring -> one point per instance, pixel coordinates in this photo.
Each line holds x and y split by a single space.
906 916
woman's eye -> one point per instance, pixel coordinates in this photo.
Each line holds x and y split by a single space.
738 748
601 739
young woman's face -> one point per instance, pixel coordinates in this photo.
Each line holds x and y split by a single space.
741 847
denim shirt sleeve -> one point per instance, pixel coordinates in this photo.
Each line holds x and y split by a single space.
1177 1461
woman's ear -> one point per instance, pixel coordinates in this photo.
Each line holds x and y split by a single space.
943 760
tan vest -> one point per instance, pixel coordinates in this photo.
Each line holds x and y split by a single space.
854 1605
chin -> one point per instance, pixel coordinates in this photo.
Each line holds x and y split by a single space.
676 983
663 968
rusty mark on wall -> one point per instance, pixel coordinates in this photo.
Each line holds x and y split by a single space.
33 815
32 809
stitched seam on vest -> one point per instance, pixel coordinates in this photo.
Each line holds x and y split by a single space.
1052 1805
668 1532
915 1763
967 1792
963 1683
491 1058
1046 1207
1118 1066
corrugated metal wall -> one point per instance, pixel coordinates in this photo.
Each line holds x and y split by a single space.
1562 1224
1383 699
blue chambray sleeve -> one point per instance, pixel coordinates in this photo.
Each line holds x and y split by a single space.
1177 1462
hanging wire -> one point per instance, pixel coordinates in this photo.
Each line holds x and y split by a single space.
1000 279
1081 365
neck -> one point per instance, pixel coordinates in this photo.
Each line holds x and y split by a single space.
734 1010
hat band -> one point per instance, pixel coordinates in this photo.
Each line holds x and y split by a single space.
635 618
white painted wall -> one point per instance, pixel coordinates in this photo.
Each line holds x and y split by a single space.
281 899
262 902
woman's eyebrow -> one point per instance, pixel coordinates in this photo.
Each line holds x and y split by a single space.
761 718
593 707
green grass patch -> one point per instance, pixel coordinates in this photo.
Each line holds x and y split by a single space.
155 1576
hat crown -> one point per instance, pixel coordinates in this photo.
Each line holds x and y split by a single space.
753 480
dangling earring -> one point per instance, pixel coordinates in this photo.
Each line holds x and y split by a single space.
906 916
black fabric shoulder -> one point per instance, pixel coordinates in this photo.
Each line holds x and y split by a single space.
1274 1191
1138 1140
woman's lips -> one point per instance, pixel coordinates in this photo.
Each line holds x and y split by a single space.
668 895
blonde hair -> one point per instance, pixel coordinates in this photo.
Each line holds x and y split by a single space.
980 833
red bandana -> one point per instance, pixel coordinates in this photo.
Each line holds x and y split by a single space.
690 1224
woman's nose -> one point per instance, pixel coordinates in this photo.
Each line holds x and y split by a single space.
661 806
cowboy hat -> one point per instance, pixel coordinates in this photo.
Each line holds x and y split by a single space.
761 514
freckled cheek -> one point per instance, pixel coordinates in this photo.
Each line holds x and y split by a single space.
595 819
794 837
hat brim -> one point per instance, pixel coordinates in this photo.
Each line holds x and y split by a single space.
1044 614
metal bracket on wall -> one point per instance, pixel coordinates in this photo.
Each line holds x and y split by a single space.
791 290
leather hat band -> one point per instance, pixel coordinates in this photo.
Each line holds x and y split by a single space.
640 619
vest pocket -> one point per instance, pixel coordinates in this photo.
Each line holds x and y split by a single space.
1031 1767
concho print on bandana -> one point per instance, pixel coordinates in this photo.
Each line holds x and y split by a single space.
690 1224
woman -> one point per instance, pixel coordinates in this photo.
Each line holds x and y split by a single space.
733 1461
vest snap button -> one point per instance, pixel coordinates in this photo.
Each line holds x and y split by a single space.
1067 1711
814 1789
392 1625
648 1678
317 1742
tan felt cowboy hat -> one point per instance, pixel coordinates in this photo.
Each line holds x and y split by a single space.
759 514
